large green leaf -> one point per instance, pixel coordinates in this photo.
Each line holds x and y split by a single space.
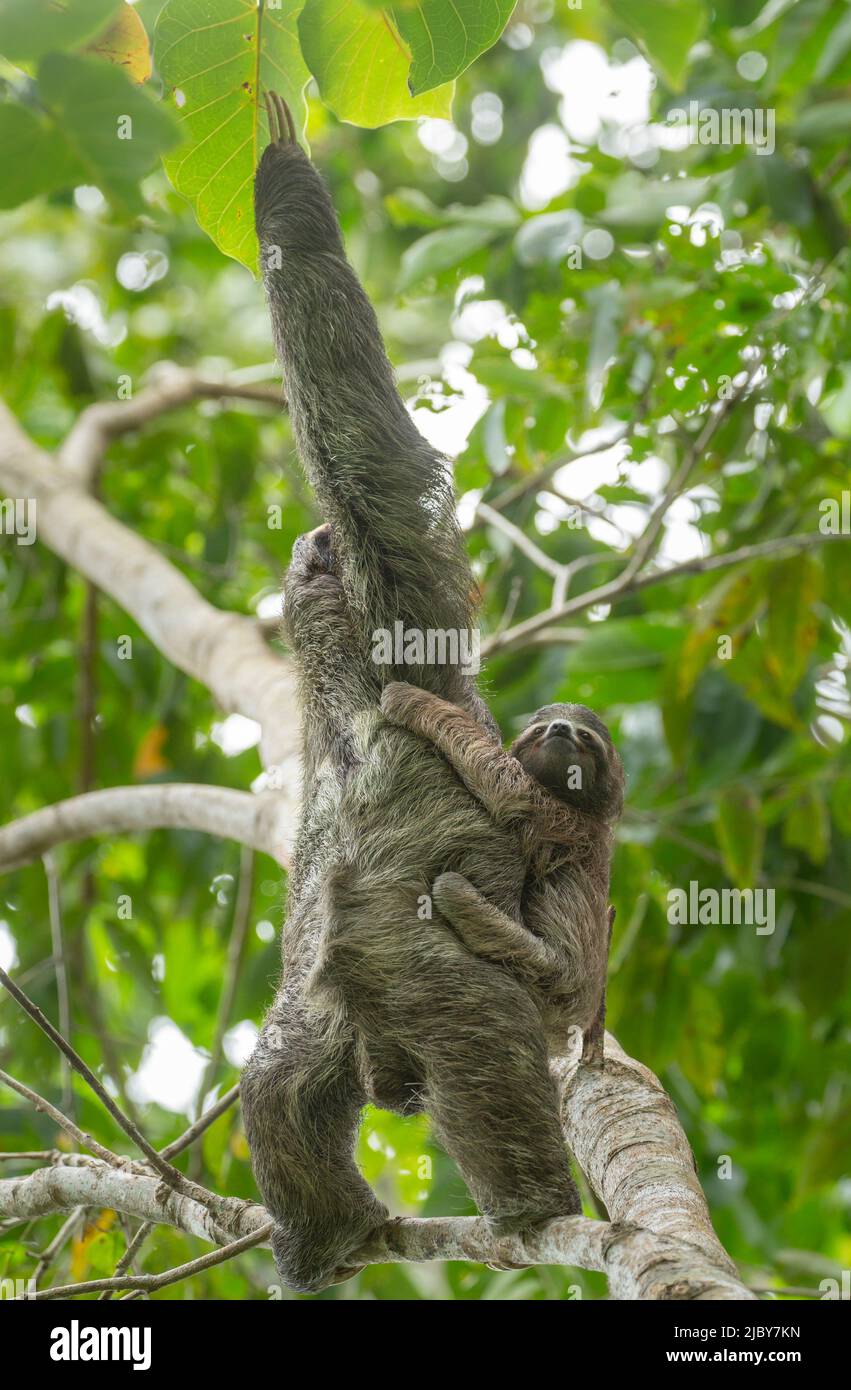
792 622
113 127
45 162
361 64
666 29
31 28
828 120
216 73
441 250
807 826
446 36
741 835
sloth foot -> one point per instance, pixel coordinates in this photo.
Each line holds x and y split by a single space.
314 552
311 1258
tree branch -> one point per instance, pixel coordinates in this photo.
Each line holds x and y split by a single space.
94 429
624 1132
224 651
173 1177
261 822
137 1194
622 587
626 1137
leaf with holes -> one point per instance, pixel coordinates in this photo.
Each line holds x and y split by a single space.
216 70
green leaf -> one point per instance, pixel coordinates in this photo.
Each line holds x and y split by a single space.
446 36
835 407
741 835
44 161
827 120
361 65
116 130
791 627
638 203
807 826
840 802
410 207
216 75
31 28
548 237
441 250
666 30
495 370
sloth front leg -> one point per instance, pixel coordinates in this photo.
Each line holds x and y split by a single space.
490 932
489 773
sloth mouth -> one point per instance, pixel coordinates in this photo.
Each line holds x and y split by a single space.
562 736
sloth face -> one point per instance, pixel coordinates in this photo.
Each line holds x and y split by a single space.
568 749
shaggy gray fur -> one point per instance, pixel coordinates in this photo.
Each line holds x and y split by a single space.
377 1001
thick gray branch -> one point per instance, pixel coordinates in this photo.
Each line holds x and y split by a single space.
261 822
626 1137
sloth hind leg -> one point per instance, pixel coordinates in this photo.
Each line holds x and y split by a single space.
302 1103
494 1103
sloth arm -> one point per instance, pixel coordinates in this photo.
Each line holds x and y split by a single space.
387 493
507 792
489 773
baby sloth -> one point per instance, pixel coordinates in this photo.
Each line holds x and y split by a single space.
561 787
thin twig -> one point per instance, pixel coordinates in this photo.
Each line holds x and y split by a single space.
233 964
63 1122
60 971
172 1175
618 589
149 1282
175 1147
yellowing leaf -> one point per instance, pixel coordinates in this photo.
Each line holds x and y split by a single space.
81 1247
149 760
125 43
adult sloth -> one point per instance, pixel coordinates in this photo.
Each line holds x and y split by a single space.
378 1002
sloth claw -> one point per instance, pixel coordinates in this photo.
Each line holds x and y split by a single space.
281 124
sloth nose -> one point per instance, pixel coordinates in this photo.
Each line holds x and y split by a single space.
560 726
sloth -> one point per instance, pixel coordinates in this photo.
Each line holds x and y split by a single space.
561 785
377 1002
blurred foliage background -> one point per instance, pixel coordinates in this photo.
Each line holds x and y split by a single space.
554 272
